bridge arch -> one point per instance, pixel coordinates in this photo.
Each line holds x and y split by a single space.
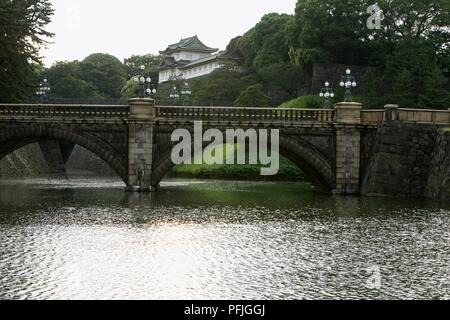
16 137
314 163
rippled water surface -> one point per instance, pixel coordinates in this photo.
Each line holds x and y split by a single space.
88 239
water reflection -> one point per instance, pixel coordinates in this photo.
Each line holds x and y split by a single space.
84 239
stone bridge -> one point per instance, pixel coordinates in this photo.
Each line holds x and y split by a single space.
336 148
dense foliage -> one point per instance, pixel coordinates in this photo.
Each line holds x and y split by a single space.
22 34
220 88
264 52
265 75
106 73
253 96
303 102
133 66
407 59
409 53
100 76
287 171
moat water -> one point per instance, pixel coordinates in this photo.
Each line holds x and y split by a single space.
86 238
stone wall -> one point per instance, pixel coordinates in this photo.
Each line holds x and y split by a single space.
368 136
400 162
28 161
44 158
83 161
53 155
438 185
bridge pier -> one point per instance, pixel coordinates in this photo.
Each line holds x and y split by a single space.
140 144
348 148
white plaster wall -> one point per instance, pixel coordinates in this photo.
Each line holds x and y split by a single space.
167 75
191 73
199 71
186 55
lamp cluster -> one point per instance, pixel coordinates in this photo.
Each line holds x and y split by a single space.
146 82
326 93
347 81
43 90
174 94
185 96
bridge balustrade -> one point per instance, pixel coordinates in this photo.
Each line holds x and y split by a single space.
227 114
218 114
372 116
424 116
36 111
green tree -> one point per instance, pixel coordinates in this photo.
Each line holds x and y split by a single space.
150 61
221 87
22 35
130 89
106 73
329 31
435 93
336 30
253 96
70 87
415 19
265 43
264 53
62 69
404 88
65 80
370 83
284 76
408 69
414 39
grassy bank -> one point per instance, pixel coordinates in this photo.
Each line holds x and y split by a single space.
288 172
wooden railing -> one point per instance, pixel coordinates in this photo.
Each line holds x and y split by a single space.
50 111
258 115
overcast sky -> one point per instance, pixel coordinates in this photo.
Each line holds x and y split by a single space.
123 28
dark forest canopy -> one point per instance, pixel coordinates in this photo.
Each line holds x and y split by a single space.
407 58
22 35
410 52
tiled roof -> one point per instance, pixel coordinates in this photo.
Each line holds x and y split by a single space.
170 62
192 44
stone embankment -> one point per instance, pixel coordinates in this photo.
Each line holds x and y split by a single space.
28 161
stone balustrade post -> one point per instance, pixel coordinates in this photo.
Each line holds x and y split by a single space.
140 144
142 108
348 148
348 112
391 113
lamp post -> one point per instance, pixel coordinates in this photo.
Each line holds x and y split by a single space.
43 90
174 95
186 95
348 82
326 93
148 88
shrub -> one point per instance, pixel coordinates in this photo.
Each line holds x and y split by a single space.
311 102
